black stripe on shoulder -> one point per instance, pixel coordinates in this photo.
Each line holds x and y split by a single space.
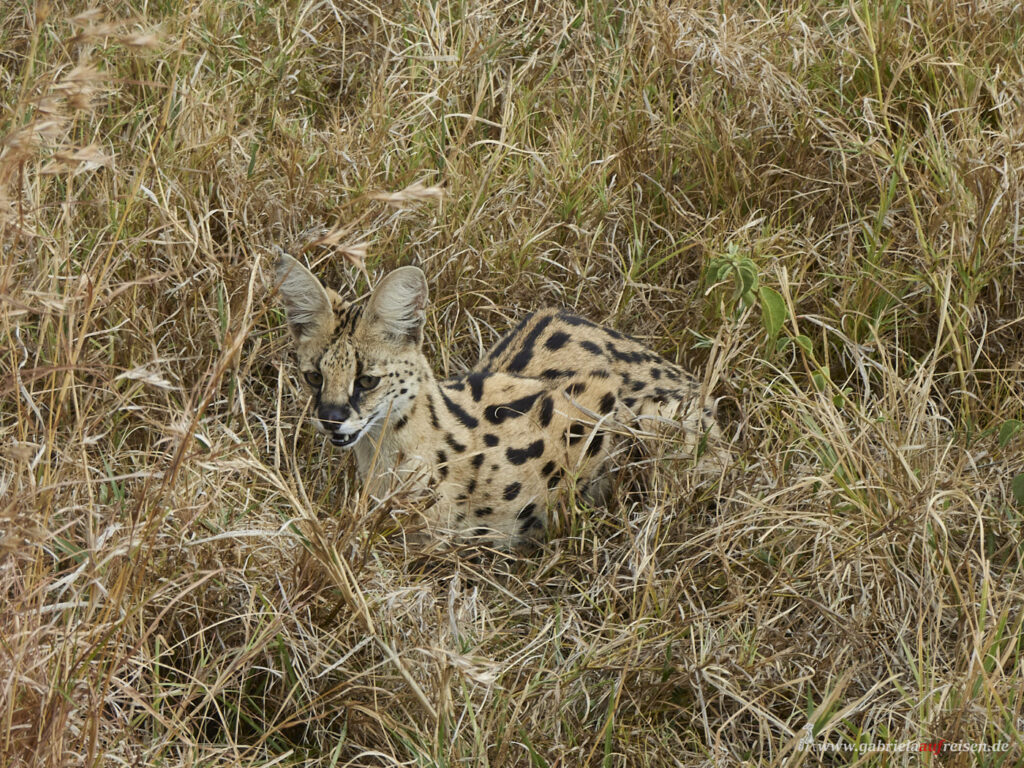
433 413
505 340
624 356
570 319
557 373
457 411
525 354
476 384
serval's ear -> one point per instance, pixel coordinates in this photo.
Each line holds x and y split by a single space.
306 303
397 308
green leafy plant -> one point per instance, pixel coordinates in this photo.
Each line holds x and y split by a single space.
737 270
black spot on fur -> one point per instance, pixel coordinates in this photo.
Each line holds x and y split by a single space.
433 413
637 386
591 347
454 444
600 373
556 340
470 487
456 410
521 455
555 479
526 511
595 444
576 432
547 409
496 414
530 523
490 440
400 423
483 511
576 388
607 403
525 354
511 491
477 460
442 460
548 468
655 373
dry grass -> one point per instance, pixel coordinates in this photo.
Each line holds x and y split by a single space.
190 577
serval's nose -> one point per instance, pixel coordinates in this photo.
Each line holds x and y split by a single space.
333 416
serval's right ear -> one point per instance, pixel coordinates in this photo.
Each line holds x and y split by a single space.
307 304
397 309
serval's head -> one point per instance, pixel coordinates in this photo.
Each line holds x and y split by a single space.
362 361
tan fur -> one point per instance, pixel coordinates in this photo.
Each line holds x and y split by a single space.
544 410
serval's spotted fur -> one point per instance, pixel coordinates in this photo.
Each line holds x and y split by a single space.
542 411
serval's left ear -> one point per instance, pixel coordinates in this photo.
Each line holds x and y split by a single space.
397 308
306 303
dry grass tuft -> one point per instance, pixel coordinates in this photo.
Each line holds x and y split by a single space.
818 204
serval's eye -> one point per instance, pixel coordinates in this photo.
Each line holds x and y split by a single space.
314 379
367 382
